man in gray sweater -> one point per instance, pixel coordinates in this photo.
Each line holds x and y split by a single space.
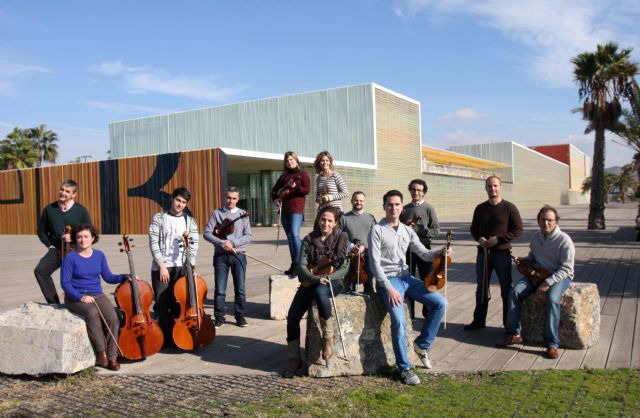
230 246
357 223
553 251
388 243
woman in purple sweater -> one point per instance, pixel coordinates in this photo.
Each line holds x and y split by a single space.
298 184
83 295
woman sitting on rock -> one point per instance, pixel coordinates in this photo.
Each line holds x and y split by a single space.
325 248
80 280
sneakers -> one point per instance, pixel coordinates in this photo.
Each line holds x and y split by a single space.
241 322
423 355
409 377
219 323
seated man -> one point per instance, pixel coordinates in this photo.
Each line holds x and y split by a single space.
388 243
551 250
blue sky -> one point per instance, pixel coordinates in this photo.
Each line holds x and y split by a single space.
484 71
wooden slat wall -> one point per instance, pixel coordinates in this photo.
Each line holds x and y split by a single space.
199 171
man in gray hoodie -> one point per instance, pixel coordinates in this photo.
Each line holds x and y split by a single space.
388 243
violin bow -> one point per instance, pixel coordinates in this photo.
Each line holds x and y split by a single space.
264 262
279 223
335 309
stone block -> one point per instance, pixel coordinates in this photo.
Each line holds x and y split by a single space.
579 317
282 289
38 339
366 328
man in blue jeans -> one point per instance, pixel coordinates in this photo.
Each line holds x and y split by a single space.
388 243
553 251
230 246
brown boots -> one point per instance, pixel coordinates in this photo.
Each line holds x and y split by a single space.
326 326
294 366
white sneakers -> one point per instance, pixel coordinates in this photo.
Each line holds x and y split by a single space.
423 355
410 377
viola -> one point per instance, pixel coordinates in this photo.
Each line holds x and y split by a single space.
193 328
66 245
536 275
286 189
140 336
437 278
356 268
226 228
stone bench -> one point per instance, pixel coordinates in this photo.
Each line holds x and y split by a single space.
38 339
579 317
282 288
366 328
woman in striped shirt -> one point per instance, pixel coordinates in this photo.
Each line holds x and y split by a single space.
330 186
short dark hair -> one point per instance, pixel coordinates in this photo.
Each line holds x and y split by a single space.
545 209
87 227
420 182
181 191
389 194
233 189
357 193
70 183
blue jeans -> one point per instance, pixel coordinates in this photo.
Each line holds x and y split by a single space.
434 302
222 262
520 291
302 302
291 223
500 261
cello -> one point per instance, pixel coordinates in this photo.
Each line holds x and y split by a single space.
140 336
437 278
193 328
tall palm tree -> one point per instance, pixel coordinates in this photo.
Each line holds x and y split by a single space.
630 128
604 77
17 150
45 141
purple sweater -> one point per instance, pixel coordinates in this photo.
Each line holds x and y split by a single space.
80 276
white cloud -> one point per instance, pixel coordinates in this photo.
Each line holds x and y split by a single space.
553 31
125 108
11 71
141 80
465 115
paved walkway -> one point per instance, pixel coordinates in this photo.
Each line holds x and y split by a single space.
608 258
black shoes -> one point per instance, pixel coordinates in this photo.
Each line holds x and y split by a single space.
292 270
218 323
241 322
473 326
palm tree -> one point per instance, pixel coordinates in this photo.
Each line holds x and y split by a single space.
604 77
609 181
629 128
17 150
45 141
625 180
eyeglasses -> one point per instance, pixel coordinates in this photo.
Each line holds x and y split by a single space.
417 190
547 220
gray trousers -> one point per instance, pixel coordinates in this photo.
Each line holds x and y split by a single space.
99 336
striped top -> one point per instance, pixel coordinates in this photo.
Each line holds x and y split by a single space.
335 186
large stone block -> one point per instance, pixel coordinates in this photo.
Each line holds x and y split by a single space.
282 289
579 317
366 328
39 339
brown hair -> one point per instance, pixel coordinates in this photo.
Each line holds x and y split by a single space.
286 156
316 163
87 227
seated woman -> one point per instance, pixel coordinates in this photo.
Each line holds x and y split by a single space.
80 280
326 241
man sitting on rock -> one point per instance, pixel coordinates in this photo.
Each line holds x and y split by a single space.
388 243
551 258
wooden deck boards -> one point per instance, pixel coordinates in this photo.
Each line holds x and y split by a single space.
608 258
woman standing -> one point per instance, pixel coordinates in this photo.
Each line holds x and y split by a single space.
290 193
80 280
330 186
326 241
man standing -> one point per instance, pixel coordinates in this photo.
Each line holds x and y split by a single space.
495 224
166 242
357 223
388 243
230 246
553 251
421 216
55 217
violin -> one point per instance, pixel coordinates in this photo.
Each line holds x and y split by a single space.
323 267
356 268
286 189
413 221
66 245
437 278
193 328
140 336
526 267
226 228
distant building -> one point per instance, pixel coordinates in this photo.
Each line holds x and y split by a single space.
579 168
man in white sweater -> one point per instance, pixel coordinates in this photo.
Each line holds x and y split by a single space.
388 242
552 251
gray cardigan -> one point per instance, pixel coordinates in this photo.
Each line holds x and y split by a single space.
157 236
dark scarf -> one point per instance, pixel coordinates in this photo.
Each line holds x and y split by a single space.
334 247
